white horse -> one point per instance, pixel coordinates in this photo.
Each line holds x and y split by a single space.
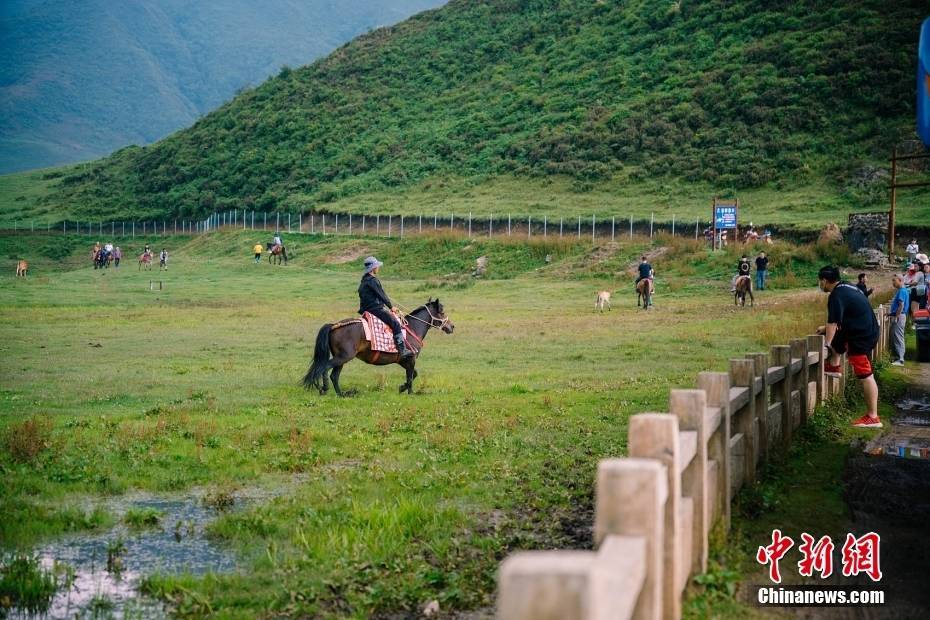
603 299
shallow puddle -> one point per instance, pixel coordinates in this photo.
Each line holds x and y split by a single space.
101 573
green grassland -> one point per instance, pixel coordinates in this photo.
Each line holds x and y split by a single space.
110 387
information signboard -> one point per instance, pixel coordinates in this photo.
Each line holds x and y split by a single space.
724 216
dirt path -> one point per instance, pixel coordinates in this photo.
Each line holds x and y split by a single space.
887 488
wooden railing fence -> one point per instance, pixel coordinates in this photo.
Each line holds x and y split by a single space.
655 508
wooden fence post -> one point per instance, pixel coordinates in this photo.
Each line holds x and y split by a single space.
742 375
717 386
690 407
781 391
655 435
630 501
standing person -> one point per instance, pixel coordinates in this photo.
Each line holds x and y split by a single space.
863 286
258 249
916 281
117 255
373 299
762 270
852 329
742 269
898 314
163 260
912 250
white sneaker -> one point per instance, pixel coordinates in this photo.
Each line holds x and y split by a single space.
897 363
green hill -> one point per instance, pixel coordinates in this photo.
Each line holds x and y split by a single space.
80 79
793 101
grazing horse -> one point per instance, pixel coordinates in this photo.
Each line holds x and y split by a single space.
338 343
277 252
644 292
21 268
145 260
743 288
603 298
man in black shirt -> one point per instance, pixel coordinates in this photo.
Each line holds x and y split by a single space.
852 329
373 299
862 286
762 270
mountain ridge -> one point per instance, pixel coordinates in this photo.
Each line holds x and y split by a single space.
728 96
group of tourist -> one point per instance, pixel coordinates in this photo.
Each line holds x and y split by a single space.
910 296
744 269
852 328
102 255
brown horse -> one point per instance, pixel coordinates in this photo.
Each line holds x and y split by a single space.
277 252
338 343
743 288
21 268
644 292
145 260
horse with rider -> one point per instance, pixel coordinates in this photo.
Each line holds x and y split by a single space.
339 343
645 283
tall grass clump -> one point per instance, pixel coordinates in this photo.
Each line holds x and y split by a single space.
24 584
24 441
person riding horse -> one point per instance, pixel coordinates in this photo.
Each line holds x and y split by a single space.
645 271
742 269
276 241
373 299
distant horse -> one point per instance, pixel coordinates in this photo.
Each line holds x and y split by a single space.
277 252
337 344
743 288
603 298
644 292
21 268
145 261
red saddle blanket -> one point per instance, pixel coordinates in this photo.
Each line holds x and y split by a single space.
379 334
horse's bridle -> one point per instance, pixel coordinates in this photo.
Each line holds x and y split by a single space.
434 321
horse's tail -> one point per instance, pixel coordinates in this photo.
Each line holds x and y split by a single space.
321 358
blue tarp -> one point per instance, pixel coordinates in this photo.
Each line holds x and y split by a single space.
923 83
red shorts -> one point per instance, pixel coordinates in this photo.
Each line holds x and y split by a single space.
861 365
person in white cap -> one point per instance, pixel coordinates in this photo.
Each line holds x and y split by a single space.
373 299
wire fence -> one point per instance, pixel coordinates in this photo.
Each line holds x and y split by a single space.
322 223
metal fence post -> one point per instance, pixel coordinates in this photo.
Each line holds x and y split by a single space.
593 226
673 224
613 227
651 219
529 226
545 226
631 227
508 224
579 227
469 224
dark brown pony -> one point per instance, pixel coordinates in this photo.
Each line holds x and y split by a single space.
644 292
338 343
277 252
743 288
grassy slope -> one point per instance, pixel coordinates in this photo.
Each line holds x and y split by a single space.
729 95
405 499
810 206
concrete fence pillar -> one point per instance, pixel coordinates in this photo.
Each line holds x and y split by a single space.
781 392
655 435
630 501
800 380
742 375
760 369
815 343
690 407
717 386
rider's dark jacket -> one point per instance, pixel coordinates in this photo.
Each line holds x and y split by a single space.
371 295
742 268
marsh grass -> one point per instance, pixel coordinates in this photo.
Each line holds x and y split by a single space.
25 584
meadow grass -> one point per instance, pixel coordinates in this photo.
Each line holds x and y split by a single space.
397 500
